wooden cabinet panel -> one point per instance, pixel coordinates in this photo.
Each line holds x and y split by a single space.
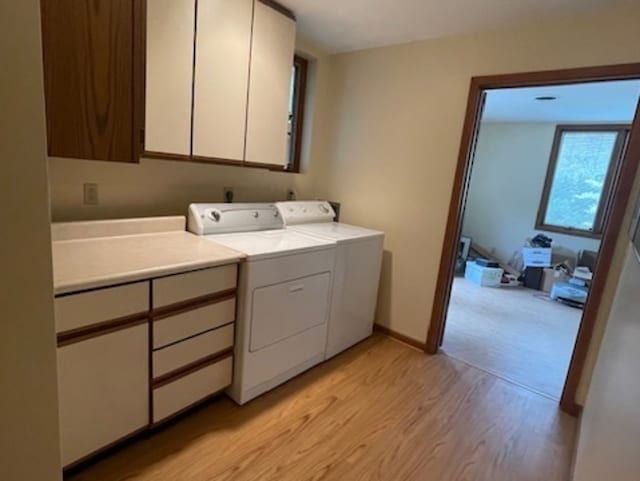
223 44
169 75
89 78
103 387
272 52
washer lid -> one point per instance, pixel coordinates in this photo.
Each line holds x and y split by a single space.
272 243
337 231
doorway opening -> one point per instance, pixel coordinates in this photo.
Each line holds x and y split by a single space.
546 164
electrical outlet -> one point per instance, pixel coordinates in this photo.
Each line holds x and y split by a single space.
291 194
228 194
91 194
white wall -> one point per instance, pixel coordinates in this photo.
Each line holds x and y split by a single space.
29 449
609 440
507 180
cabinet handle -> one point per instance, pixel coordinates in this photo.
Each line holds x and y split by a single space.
295 289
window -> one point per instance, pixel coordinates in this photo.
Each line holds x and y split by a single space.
296 113
581 178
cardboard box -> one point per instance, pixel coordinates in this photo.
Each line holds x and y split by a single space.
483 276
550 277
536 256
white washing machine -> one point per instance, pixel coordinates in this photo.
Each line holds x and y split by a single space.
356 274
284 290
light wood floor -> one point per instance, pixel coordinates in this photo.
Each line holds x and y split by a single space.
513 333
382 411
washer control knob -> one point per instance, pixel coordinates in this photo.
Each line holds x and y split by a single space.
323 209
214 215
256 215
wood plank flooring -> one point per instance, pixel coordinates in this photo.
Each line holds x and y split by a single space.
513 333
381 411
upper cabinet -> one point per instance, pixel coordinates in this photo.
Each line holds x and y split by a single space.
219 81
223 45
169 75
272 52
204 80
89 73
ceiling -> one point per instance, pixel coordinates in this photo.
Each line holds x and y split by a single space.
345 25
591 102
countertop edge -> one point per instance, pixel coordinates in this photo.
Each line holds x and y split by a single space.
86 284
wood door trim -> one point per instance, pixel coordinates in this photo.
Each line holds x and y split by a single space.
73 336
400 337
192 367
139 76
278 7
181 307
614 224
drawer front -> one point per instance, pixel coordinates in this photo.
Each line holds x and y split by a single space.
182 393
103 388
190 323
289 308
81 310
182 287
186 352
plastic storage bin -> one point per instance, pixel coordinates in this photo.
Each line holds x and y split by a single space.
483 276
536 256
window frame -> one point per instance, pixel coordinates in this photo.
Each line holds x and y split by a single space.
610 184
294 151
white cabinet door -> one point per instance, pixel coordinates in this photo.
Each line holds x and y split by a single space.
169 76
272 53
103 387
223 45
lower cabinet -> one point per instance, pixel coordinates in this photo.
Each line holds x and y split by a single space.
126 364
103 388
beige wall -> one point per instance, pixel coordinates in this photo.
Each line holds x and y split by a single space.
159 187
509 170
396 119
29 449
609 440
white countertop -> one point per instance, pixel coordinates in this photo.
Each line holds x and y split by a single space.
87 263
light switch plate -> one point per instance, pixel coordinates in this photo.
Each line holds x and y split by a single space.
90 194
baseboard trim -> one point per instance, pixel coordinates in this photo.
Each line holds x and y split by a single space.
400 337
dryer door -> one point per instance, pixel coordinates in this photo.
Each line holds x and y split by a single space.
283 310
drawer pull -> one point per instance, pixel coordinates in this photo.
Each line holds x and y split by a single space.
298 288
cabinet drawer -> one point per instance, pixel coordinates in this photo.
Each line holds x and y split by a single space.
103 388
182 287
81 310
190 323
182 393
191 350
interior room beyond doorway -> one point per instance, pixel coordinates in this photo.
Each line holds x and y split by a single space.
546 163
